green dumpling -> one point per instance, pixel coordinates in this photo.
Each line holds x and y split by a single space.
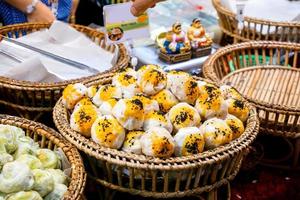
58 176
26 145
57 193
43 182
49 159
31 161
24 195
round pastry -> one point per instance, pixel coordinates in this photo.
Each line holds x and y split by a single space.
107 106
176 77
72 94
129 71
238 108
216 132
236 125
85 101
107 132
105 93
230 92
151 80
149 104
129 113
92 90
210 102
132 142
183 115
157 119
127 82
166 100
188 141
157 142
82 119
186 91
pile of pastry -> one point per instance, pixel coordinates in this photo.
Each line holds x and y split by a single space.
156 113
28 171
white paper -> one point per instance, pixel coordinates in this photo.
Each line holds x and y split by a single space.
60 39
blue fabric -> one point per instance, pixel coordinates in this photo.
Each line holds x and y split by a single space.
11 15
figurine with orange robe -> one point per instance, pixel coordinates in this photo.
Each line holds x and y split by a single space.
196 34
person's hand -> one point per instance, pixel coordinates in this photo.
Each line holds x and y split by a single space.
41 14
140 6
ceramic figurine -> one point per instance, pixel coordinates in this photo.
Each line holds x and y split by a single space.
176 41
200 41
197 35
174 45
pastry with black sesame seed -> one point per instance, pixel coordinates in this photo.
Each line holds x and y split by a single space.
82 119
105 93
132 142
183 115
107 132
211 104
230 92
127 82
166 100
188 141
130 113
85 101
216 133
157 142
238 108
72 94
157 119
176 77
236 125
148 103
91 91
151 80
107 106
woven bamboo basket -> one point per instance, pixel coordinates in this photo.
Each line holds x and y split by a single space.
31 99
160 178
48 138
255 29
267 74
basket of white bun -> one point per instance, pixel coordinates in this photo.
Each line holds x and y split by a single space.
158 134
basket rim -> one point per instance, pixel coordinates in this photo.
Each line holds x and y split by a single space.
78 174
60 117
123 60
220 8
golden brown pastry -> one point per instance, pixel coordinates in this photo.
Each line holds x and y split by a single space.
166 100
72 94
236 125
105 93
238 108
107 132
132 142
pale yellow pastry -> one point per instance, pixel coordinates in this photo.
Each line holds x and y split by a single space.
92 90
175 78
238 108
236 125
85 101
82 119
151 80
183 115
129 113
132 142
72 94
166 100
107 106
157 119
186 91
211 103
157 142
105 93
216 133
148 103
230 92
188 141
127 82
107 132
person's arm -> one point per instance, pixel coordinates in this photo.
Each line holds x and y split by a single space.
140 6
41 12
